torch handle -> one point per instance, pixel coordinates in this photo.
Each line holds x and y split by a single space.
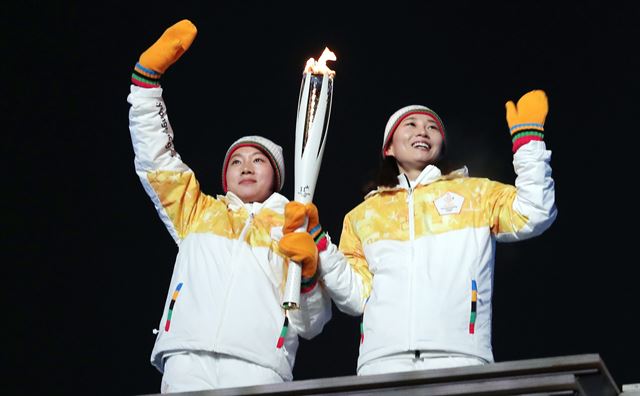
294 279
292 287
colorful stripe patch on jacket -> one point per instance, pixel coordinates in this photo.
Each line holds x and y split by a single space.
474 301
173 302
283 333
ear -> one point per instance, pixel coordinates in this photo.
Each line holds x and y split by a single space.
274 178
388 152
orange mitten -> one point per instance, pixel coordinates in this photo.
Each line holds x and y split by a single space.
294 217
303 247
163 53
526 119
300 247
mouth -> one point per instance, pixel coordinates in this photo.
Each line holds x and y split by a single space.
247 181
421 146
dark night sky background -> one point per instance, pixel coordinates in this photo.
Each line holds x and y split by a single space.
88 262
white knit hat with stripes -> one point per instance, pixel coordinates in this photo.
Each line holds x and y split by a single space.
397 117
269 148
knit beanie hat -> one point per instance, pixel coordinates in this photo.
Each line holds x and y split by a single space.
269 148
403 113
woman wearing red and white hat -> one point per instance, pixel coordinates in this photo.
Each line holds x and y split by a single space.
416 258
223 324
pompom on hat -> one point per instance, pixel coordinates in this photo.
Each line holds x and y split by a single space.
269 148
397 117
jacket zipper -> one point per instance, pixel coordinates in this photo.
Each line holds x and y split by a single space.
411 261
247 223
240 239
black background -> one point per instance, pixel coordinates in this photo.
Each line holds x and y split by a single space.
87 261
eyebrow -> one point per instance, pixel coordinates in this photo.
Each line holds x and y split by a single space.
413 118
258 152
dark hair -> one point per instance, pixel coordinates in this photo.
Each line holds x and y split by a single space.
386 174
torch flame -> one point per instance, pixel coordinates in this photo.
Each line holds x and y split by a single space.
320 67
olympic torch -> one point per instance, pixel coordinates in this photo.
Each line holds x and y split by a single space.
312 121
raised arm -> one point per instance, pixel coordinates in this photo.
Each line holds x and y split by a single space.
170 183
529 209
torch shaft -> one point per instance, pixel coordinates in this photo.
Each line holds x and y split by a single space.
314 108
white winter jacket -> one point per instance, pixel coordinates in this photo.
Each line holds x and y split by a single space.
226 289
417 260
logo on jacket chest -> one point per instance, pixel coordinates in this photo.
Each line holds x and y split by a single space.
449 203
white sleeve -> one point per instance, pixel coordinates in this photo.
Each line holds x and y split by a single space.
314 312
157 164
345 285
535 192
151 132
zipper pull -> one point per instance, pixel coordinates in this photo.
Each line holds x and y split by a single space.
409 188
247 223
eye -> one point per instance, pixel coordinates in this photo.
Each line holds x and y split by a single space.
434 127
258 159
235 162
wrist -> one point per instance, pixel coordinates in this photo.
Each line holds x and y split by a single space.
307 284
526 126
145 77
523 137
319 237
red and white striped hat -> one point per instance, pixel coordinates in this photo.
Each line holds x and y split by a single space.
269 148
397 117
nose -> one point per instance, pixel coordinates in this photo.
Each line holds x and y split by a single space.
423 131
247 169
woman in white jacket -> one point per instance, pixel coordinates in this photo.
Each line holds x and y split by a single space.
223 324
416 258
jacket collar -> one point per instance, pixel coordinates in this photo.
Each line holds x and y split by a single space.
275 202
428 175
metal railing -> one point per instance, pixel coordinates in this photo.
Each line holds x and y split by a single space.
583 375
